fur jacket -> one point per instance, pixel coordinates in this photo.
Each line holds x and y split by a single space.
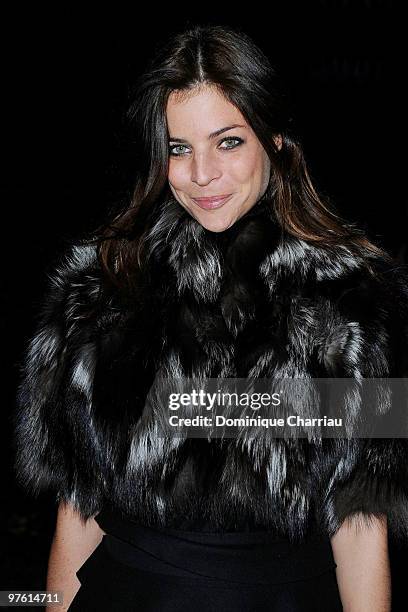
251 301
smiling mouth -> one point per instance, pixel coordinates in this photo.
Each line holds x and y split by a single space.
212 202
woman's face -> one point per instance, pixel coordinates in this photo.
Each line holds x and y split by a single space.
213 152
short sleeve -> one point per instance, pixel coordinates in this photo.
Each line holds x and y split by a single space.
370 476
52 422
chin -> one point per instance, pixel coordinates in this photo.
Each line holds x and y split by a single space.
217 230
215 225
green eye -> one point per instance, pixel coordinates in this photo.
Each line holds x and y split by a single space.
172 149
237 141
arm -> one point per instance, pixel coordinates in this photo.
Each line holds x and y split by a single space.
73 542
363 569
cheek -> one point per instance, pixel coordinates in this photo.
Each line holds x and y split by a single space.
178 174
249 167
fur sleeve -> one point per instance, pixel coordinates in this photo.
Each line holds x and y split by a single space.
52 422
370 476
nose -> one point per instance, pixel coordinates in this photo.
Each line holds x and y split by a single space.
204 168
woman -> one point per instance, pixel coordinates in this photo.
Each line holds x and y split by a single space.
264 282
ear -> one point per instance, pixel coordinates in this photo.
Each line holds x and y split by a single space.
278 141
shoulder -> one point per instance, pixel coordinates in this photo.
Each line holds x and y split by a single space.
73 281
370 303
379 289
75 268
341 268
304 263
357 304
64 319
71 294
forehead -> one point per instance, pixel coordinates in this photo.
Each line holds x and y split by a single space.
203 110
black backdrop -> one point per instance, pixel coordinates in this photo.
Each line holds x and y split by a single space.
65 81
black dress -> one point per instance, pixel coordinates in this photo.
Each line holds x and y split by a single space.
167 570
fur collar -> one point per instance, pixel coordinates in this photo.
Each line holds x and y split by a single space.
231 299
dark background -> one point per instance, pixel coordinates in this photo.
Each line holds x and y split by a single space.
65 82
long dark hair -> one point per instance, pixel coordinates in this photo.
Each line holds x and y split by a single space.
225 58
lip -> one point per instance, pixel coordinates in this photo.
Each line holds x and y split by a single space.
213 202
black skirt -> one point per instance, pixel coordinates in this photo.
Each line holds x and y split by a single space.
166 570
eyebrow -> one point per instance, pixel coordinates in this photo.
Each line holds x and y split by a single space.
213 135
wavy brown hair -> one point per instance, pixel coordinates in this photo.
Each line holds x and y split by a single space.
225 58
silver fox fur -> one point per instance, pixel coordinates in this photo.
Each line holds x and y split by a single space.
250 301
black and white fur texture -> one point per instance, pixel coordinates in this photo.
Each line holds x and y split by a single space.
250 301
